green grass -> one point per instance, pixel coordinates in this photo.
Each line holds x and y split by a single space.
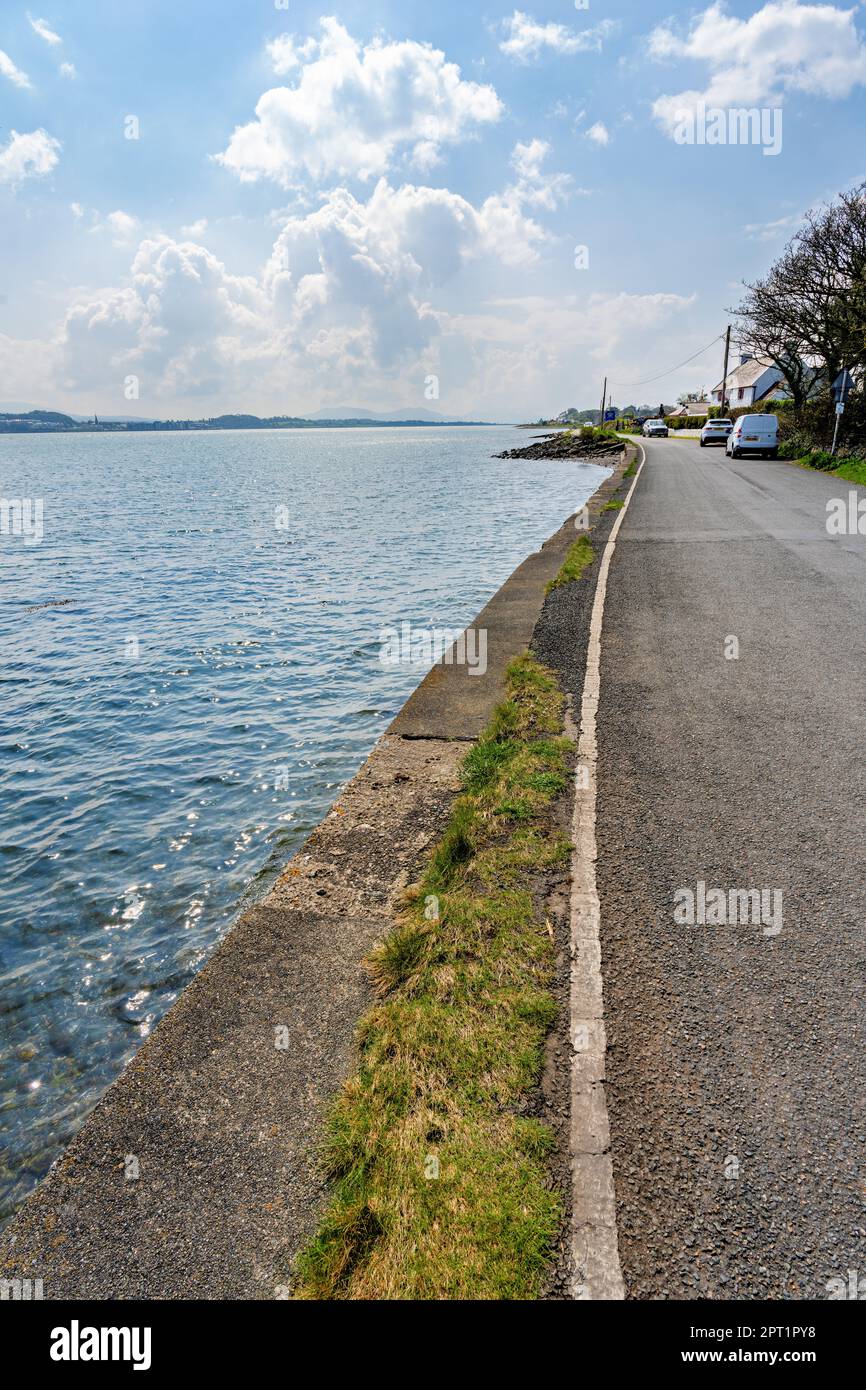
453 1048
613 505
852 470
579 556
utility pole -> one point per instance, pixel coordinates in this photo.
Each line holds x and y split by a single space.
603 399
725 372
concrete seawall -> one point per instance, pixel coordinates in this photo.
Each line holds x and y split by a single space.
195 1175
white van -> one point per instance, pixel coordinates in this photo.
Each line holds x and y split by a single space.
754 434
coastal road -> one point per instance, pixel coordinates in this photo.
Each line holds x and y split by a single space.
736 1064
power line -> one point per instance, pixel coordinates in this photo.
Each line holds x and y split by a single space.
620 385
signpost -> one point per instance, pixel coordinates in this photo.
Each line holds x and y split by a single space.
841 391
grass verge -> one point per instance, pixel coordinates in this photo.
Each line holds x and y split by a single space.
578 557
851 470
440 1175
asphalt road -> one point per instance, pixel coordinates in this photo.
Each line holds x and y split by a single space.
736 1066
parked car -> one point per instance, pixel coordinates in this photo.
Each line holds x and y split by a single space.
754 434
716 432
656 428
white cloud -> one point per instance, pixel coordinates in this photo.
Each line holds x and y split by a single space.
194 230
354 107
527 158
8 69
531 350
77 210
769 231
534 187
352 293
783 47
44 30
28 156
526 37
68 70
599 133
181 324
285 54
122 225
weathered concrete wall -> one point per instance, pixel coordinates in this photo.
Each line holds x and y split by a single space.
220 1121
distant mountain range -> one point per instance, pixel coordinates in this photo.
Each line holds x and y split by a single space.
16 418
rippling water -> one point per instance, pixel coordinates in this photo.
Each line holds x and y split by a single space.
171 735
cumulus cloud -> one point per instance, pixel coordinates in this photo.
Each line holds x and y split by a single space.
783 47
8 69
528 157
351 292
527 38
354 107
28 156
286 54
194 230
68 70
44 30
122 225
180 323
599 133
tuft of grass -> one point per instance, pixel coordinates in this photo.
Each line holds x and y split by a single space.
613 505
440 1178
579 556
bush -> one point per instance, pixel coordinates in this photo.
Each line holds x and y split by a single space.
685 422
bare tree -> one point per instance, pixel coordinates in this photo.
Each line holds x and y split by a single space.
808 315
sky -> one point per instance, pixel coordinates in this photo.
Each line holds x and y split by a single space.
482 210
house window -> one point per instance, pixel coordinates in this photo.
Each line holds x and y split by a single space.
740 394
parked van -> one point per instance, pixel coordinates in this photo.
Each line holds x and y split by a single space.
754 434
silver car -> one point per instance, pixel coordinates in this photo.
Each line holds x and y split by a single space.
716 432
656 428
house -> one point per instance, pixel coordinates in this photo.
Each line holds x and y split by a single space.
755 379
692 408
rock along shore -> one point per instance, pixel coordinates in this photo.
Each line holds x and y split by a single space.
566 444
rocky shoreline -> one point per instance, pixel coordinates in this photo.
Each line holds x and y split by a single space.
568 444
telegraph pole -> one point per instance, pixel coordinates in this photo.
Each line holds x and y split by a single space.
725 373
603 399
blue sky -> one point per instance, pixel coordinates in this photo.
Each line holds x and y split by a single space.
401 215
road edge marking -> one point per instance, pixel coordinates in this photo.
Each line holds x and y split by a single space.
596 1270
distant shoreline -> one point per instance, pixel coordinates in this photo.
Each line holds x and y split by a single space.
52 422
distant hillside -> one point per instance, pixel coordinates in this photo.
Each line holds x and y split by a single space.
53 422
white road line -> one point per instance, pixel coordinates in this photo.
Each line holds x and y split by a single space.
595 1250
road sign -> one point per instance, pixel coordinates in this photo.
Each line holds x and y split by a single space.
840 407
842 387
610 415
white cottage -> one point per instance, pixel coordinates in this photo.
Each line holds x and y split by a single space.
755 380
